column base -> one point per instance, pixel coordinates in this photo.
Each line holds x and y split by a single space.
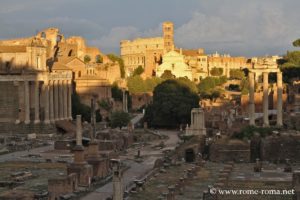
52 121
17 121
27 122
47 121
37 121
279 125
266 125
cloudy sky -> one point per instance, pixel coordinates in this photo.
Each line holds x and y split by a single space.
237 27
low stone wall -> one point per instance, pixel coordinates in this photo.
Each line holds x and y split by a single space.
237 151
61 186
279 148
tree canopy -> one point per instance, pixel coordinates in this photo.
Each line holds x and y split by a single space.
87 59
138 71
137 85
216 71
119 119
81 109
290 66
99 59
236 74
167 75
208 87
172 104
116 92
296 43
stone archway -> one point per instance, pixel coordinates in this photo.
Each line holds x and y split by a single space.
190 155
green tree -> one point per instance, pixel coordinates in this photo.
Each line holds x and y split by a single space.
151 83
136 84
208 87
116 58
80 109
105 104
167 75
99 59
236 74
244 86
290 66
216 71
138 71
87 59
172 104
296 43
119 119
116 92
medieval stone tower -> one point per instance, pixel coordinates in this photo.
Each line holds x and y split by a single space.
168 35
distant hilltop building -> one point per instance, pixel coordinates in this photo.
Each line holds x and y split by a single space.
226 63
147 52
158 54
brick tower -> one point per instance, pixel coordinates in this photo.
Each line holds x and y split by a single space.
168 34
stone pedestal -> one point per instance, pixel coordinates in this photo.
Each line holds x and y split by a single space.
100 165
197 123
79 166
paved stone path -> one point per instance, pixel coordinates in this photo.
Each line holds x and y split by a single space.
136 170
18 155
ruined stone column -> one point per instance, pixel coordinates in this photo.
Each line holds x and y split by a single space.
78 131
46 90
51 105
117 180
65 97
70 100
61 100
266 98
251 99
27 102
279 99
36 103
56 100
124 101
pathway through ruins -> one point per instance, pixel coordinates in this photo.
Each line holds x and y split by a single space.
136 169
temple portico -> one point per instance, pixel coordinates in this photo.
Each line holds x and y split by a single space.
265 82
40 98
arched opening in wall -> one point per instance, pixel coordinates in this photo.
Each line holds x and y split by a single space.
58 38
79 74
70 53
189 155
56 53
43 35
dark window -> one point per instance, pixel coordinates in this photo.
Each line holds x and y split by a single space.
70 53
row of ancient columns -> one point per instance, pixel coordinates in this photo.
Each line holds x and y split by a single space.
265 99
57 101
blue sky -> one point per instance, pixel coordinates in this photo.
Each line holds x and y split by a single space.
237 27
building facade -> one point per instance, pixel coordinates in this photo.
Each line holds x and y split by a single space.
30 92
147 52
